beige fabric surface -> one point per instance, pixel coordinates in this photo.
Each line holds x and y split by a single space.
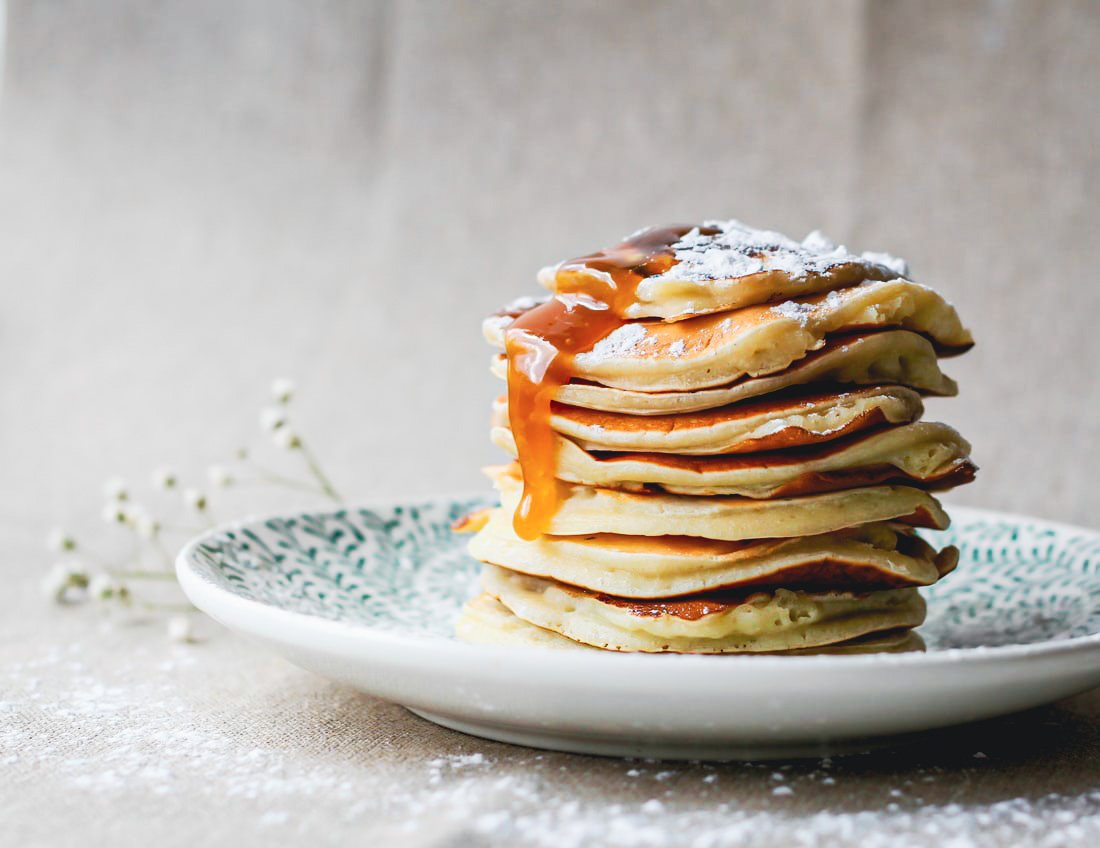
113 736
196 197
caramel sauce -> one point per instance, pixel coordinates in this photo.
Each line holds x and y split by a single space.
592 294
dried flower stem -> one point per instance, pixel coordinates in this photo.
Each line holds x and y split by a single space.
68 582
149 606
326 485
279 480
141 574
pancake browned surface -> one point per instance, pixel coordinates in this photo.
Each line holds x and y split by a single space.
718 622
722 265
713 350
769 423
718 449
883 555
885 357
924 454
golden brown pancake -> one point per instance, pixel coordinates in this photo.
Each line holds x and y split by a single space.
885 357
872 556
924 454
752 621
486 621
720 265
774 422
713 350
587 509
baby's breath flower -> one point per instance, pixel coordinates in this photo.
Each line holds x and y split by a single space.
242 454
60 542
195 499
115 489
114 513
56 582
165 478
282 390
286 439
146 526
179 629
272 418
63 577
102 587
219 476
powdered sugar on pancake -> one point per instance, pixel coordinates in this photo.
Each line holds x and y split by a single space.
800 312
738 250
623 340
896 264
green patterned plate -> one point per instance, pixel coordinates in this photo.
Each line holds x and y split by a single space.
369 597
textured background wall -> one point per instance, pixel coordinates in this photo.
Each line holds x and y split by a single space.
198 196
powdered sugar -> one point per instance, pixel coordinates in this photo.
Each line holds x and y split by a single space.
896 264
739 250
623 340
118 737
800 312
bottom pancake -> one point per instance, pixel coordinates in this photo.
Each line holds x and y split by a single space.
712 623
486 621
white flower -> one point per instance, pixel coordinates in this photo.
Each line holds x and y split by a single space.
165 478
286 439
219 476
146 526
115 489
195 499
115 513
135 512
179 629
56 582
61 578
60 542
282 390
102 587
272 418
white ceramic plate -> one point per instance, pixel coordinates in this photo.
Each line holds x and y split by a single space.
369 597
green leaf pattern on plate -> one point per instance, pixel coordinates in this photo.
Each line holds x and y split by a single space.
399 568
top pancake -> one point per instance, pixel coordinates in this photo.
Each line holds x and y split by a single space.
713 350
719 266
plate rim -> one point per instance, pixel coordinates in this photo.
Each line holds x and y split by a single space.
205 594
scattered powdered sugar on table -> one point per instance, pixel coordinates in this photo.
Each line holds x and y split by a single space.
738 250
114 732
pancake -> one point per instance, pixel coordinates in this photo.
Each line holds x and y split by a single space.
585 509
875 555
779 620
924 454
486 621
771 423
722 265
895 357
713 350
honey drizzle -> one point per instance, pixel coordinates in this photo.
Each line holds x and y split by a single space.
592 294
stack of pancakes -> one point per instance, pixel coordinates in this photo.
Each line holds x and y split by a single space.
718 449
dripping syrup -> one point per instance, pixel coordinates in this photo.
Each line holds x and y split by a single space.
591 297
